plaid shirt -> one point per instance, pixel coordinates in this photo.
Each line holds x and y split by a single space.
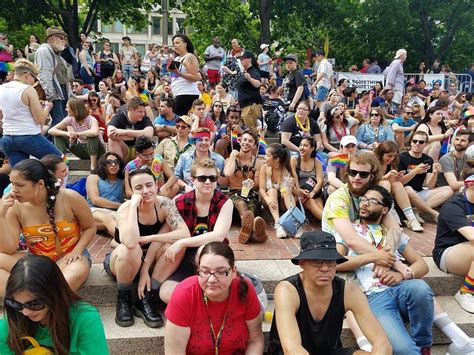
186 205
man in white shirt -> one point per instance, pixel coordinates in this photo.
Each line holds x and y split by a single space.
323 78
395 77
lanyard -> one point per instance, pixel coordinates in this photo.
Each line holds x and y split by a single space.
469 211
382 240
216 340
339 135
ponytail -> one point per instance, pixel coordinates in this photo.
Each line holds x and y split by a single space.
243 288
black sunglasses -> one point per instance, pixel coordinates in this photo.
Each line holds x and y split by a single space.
112 162
374 114
17 306
417 141
203 178
362 174
409 113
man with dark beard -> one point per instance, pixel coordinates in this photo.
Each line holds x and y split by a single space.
454 163
242 171
397 294
342 209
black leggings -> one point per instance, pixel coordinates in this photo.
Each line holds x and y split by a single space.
184 103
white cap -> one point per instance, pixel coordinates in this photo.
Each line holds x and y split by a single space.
399 53
470 153
263 46
348 140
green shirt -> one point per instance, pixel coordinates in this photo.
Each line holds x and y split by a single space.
87 332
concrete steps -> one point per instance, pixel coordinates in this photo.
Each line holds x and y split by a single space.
100 290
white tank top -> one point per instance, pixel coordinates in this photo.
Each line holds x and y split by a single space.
17 117
181 86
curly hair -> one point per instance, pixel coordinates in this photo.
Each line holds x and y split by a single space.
102 166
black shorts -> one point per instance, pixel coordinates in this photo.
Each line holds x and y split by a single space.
187 267
264 74
183 104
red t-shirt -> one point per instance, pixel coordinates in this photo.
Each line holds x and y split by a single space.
209 124
187 309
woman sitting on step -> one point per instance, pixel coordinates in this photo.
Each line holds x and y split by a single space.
216 311
40 305
55 222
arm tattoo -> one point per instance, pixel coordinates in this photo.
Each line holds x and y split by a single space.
173 218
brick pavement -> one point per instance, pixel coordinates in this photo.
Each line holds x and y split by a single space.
274 248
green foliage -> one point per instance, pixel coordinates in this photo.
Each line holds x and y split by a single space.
20 37
226 19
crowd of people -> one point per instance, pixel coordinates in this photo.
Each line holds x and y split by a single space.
178 150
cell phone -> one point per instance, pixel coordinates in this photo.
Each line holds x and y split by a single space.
428 162
174 65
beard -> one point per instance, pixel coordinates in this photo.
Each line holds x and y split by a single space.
59 48
358 191
459 148
371 218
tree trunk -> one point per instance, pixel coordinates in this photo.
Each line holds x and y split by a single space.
265 10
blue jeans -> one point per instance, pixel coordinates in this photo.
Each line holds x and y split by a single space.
127 70
410 300
58 112
18 148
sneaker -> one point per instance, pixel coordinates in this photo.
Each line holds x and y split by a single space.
466 301
247 227
260 230
280 232
414 225
299 233
417 216
466 349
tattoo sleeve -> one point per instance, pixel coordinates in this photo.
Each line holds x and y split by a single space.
173 218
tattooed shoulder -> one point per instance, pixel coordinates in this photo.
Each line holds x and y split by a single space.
173 218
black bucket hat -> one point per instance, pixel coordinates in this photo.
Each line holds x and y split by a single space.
318 245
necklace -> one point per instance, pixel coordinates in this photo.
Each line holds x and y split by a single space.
301 126
339 134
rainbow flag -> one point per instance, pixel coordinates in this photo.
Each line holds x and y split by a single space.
7 66
234 135
262 146
340 160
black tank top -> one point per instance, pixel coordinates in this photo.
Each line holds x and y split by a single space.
317 336
144 229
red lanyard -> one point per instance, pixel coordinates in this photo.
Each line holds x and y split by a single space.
216 340
338 135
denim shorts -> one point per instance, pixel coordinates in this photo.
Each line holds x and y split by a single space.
322 93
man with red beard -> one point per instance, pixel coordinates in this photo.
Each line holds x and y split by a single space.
342 209
242 169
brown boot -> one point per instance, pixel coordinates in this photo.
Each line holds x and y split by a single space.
247 227
259 228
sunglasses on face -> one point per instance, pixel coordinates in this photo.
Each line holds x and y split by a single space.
374 115
218 106
180 126
31 305
362 174
204 178
112 162
409 113
417 141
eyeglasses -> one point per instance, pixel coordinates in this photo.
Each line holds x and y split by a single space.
204 178
31 305
147 156
112 162
409 113
302 109
417 141
181 126
370 201
216 274
362 174
319 263
374 114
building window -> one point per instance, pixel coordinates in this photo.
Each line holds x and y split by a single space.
181 28
156 26
106 28
118 27
140 48
133 30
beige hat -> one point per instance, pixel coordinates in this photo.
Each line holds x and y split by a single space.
186 119
399 53
54 30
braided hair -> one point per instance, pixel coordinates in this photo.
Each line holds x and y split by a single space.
33 170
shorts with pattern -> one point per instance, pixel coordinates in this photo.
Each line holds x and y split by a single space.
252 199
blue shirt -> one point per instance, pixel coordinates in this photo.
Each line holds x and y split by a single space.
366 134
183 167
162 121
402 123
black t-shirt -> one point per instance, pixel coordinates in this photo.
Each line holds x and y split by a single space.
247 93
294 80
408 163
120 121
452 216
289 125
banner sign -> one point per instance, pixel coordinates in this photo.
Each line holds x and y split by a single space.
432 78
361 81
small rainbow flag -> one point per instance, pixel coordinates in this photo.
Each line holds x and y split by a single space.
340 160
262 146
234 135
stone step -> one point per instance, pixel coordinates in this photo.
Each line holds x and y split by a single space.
100 288
139 338
78 164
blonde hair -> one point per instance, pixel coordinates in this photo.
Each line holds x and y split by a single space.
24 65
205 163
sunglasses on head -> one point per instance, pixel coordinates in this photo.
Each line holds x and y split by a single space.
234 109
418 141
362 174
112 162
203 178
17 306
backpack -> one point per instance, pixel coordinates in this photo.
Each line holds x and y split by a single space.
274 118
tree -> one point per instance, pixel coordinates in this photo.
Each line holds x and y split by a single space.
67 14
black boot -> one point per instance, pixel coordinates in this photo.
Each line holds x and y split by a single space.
123 311
146 310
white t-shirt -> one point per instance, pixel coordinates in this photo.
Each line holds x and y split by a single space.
326 68
127 54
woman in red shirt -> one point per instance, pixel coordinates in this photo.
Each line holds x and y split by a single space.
215 312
